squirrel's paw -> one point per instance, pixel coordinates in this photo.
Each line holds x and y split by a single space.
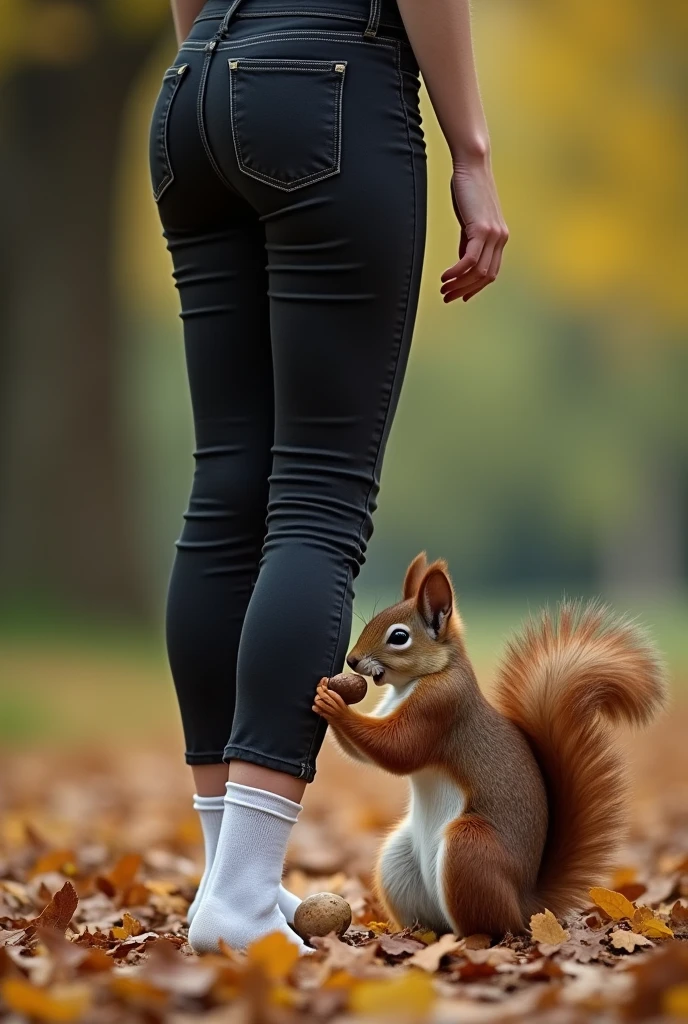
328 703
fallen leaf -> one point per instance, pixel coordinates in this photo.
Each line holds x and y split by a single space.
679 914
546 929
274 954
399 945
130 926
125 871
60 910
645 922
138 992
675 1001
412 993
613 903
428 959
56 860
630 941
60 1004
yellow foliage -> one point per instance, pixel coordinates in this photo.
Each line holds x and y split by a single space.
645 922
675 1001
613 903
412 993
546 929
59 1004
274 954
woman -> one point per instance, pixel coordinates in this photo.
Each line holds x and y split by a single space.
289 168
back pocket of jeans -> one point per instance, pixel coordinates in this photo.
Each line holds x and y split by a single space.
286 118
162 174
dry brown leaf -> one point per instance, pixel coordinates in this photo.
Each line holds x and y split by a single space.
614 904
60 911
399 945
546 929
630 941
57 860
679 914
428 959
123 874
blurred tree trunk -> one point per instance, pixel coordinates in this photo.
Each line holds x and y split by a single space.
67 505
645 554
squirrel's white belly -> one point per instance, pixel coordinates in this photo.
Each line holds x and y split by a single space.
435 801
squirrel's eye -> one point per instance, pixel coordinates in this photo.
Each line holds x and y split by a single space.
398 637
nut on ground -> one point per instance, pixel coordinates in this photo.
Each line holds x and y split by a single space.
321 914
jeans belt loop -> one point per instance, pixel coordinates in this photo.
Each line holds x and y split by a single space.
373 19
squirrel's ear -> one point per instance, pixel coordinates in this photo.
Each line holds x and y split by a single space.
435 599
414 574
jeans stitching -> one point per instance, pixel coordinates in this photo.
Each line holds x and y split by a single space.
201 125
349 37
279 63
168 178
396 367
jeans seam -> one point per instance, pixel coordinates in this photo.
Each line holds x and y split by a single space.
348 37
168 178
396 368
201 124
265 757
279 63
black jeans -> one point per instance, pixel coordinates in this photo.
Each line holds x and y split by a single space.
288 163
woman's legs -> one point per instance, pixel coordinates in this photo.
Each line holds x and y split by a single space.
295 372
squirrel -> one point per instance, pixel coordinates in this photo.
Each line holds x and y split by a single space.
516 805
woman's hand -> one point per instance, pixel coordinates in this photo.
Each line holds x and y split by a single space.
483 231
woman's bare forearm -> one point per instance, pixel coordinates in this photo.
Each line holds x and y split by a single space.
184 13
440 34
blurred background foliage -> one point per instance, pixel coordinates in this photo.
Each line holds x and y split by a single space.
541 442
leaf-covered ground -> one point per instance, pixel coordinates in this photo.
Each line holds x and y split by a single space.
99 859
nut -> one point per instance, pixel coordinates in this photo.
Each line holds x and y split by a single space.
350 687
321 914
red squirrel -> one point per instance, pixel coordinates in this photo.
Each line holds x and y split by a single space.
517 805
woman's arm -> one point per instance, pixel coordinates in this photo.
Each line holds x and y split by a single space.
440 34
184 13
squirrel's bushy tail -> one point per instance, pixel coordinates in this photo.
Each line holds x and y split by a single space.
564 681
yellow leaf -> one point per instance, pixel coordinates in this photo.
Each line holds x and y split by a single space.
130 926
675 1001
274 954
411 993
645 922
139 992
426 937
379 927
546 929
429 959
613 903
65 1004
56 860
624 876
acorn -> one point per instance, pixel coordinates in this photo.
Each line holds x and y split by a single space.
321 914
351 688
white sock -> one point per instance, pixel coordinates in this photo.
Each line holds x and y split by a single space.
239 903
210 810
